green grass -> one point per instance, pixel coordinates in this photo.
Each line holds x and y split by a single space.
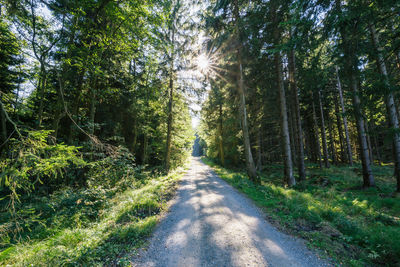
354 227
92 227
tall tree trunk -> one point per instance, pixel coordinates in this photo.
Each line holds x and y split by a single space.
290 180
60 112
323 132
389 101
291 127
376 144
169 123
371 155
42 89
167 162
259 149
316 134
251 169
364 153
145 145
346 129
332 141
287 153
289 177
350 43
340 130
92 110
220 136
3 128
296 108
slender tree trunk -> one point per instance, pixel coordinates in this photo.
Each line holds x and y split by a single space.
60 112
287 153
220 136
284 122
316 134
290 180
170 104
390 104
259 148
3 127
291 127
332 141
350 43
169 123
371 155
340 130
42 88
92 110
145 145
323 132
299 135
251 169
364 153
376 144
346 129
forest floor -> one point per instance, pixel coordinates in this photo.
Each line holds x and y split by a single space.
210 223
330 210
87 227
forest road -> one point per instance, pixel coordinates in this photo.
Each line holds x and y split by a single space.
209 223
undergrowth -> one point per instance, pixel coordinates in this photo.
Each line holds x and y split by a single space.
355 227
99 225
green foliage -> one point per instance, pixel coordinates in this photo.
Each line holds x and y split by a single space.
110 171
355 227
89 227
33 160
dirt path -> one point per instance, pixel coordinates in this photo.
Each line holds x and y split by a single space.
211 224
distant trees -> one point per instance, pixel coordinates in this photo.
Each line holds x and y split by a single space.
325 72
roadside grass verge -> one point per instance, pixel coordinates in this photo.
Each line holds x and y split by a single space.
91 227
355 227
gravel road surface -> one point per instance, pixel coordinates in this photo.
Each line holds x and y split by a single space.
210 224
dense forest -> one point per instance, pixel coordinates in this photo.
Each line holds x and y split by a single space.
333 67
90 105
308 92
97 101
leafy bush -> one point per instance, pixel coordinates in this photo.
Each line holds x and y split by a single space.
32 159
119 169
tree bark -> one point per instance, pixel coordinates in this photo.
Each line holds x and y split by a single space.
350 43
169 122
167 162
41 91
3 127
259 149
299 135
316 134
291 121
323 132
220 138
290 180
92 110
364 153
340 130
332 141
346 129
371 155
389 101
251 169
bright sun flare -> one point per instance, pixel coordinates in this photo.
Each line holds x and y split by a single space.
203 63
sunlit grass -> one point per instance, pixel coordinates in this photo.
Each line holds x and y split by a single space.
120 226
354 226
